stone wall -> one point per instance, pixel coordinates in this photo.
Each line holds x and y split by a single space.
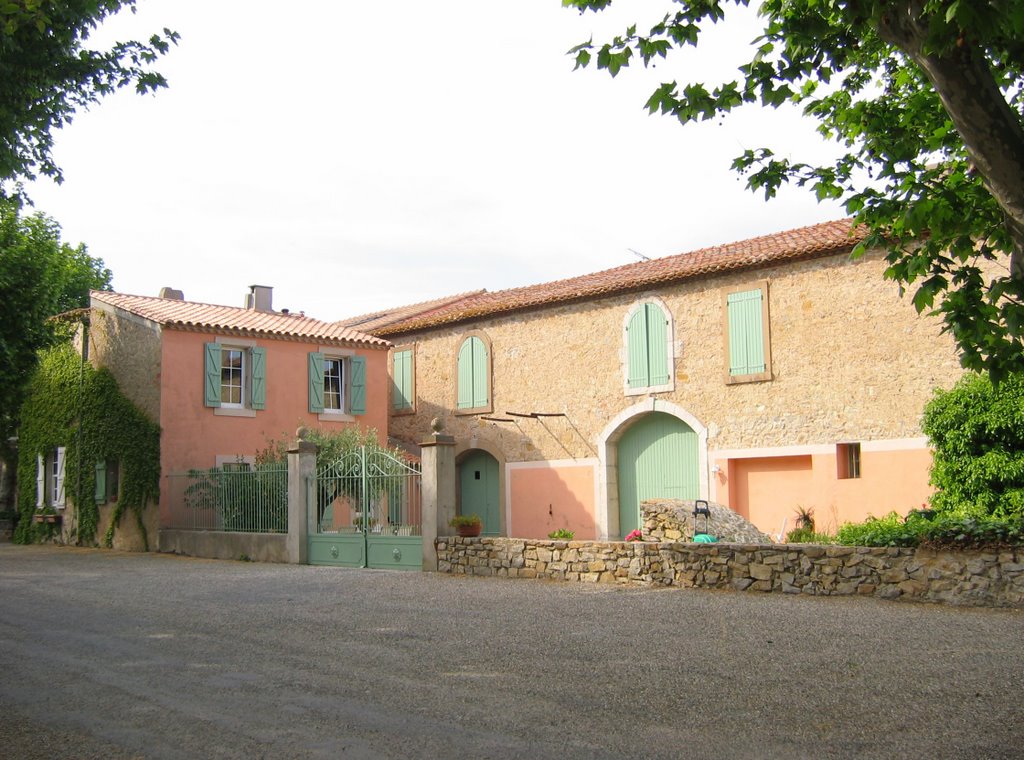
130 348
994 579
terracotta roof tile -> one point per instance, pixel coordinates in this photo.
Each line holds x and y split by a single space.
385 317
173 313
806 242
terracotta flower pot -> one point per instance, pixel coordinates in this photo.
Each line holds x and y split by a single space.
469 531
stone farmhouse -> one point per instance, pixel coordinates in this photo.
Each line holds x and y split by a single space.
769 375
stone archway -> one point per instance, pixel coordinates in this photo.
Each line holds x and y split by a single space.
608 519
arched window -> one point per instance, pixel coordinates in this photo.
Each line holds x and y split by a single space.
648 348
474 375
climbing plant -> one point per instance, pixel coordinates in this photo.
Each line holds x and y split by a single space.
70 403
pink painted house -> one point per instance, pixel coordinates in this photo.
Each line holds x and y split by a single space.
222 382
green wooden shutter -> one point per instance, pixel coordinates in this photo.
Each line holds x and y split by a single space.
401 397
636 347
316 382
746 333
211 385
259 378
61 495
358 389
481 374
465 372
40 480
101 482
657 345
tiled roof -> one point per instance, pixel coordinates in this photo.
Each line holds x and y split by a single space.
824 239
377 319
173 313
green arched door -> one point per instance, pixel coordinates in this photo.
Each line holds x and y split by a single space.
478 490
657 459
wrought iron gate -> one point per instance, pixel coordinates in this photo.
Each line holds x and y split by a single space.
367 512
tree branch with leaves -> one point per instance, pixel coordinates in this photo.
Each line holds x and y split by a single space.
926 99
48 73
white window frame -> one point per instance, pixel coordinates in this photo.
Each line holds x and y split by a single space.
341 396
344 356
243 409
243 381
50 479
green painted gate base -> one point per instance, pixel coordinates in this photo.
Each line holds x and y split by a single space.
375 552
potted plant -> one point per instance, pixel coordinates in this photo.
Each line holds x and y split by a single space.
46 516
467 525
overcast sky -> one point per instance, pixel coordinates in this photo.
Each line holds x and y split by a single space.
360 155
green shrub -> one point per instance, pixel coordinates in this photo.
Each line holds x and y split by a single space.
890 530
808 536
940 532
977 432
562 534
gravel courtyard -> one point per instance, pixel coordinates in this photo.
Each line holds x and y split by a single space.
107 654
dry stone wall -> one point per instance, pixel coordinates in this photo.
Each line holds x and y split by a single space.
993 579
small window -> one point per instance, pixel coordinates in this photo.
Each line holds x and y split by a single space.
235 379
50 479
747 344
337 385
232 375
108 481
848 460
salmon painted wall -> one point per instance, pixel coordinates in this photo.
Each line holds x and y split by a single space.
193 436
767 490
543 497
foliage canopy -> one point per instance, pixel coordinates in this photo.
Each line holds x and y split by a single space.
47 73
40 276
926 98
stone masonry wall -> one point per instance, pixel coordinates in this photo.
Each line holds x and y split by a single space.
131 351
992 579
851 361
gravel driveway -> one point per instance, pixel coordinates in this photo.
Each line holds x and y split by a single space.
106 654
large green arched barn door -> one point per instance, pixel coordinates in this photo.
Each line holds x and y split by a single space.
657 459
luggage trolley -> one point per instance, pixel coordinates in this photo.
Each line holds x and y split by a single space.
701 508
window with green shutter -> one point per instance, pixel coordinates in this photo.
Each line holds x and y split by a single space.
402 374
648 348
473 373
337 384
747 344
234 378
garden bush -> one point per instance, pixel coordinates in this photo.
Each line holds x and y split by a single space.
939 532
977 433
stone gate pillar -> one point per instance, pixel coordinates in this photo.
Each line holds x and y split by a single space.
437 458
301 468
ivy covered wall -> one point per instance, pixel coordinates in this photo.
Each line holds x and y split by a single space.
72 404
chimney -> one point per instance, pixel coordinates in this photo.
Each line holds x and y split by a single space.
260 298
174 295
